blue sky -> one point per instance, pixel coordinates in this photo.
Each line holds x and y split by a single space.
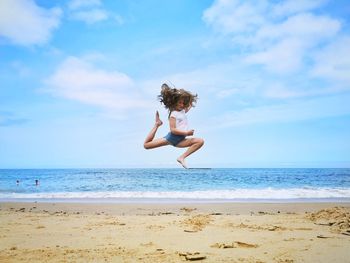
79 81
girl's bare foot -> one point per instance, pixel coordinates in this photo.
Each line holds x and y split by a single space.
158 121
182 162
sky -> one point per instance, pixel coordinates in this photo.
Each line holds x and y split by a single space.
79 82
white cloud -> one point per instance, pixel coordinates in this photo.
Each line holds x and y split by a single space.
234 16
119 19
90 16
294 37
305 26
294 6
77 4
333 61
219 86
280 44
293 111
22 69
278 90
77 79
25 23
284 57
227 92
211 78
91 12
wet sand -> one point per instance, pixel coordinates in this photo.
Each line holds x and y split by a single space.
215 232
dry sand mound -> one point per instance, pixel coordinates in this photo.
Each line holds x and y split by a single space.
338 218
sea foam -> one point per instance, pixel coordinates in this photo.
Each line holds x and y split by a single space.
233 194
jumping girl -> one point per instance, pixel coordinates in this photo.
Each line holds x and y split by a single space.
178 102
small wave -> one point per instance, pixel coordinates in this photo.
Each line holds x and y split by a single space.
266 193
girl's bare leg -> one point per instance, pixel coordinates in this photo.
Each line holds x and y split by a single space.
194 144
149 141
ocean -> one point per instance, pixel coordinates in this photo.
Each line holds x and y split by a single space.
175 185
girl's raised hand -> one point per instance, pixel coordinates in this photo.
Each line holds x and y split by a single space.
190 132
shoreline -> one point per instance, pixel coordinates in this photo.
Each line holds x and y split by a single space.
135 208
176 200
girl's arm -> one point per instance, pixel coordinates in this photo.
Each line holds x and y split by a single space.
172 122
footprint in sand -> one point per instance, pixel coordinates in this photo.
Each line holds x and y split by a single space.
236 244
192 256
188 209
149 244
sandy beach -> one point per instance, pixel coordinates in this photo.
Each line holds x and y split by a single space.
213 232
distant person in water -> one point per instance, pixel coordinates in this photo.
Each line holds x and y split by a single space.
178 102
36 182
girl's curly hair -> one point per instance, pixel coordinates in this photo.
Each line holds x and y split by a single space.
170 97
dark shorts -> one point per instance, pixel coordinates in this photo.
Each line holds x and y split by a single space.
174 139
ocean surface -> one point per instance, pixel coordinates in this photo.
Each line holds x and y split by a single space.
104 185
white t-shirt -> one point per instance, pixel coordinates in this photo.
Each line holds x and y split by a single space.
181 120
